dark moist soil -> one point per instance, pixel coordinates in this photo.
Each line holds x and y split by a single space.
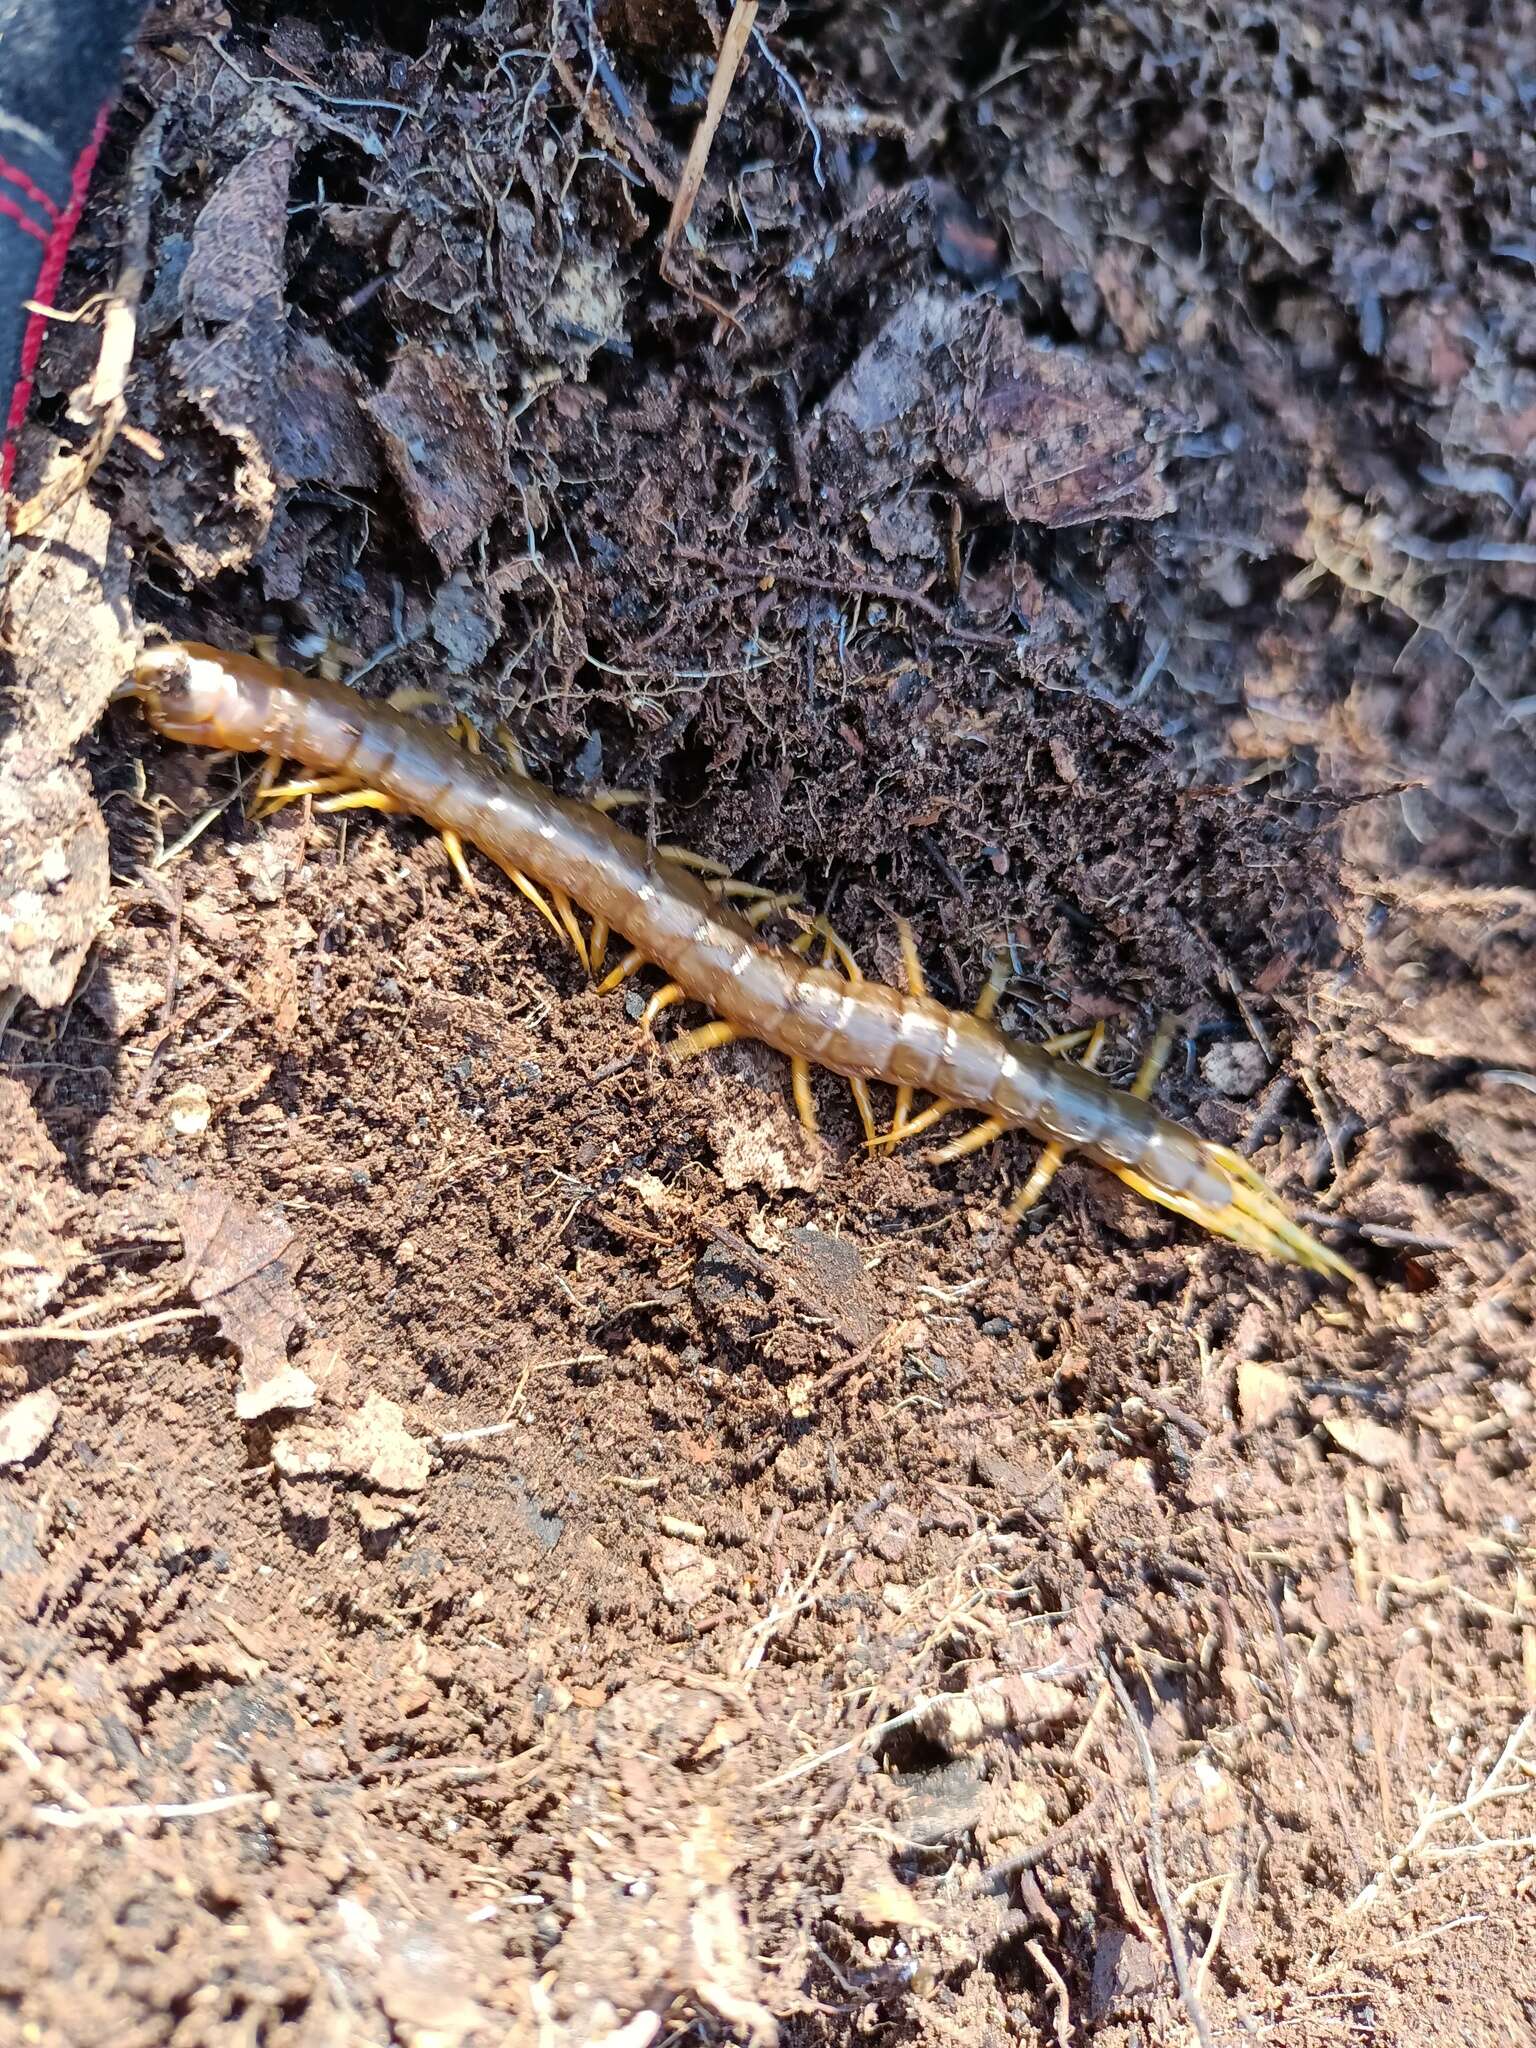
513 1542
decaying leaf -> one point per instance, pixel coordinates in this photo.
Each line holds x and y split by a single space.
441 442
1058 438
235 1265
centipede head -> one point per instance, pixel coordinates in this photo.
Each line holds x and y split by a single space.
194 694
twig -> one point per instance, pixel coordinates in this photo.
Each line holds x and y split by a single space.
1462 1809
118 1816
1054 1978
62 1333
1156 1870
103 399
732 46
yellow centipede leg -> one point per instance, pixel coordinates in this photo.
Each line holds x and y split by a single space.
799 1070
606 800
858 1088
632 963
453 846
707 1038
566 912
361 800
276 794
683 857
597 946
972 1141
1155 1058
1255 1218
805 1100
1048 1165
668 994
535 896
271 768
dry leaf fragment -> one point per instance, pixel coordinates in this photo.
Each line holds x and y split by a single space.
235 1266
1371 1442
1263 1393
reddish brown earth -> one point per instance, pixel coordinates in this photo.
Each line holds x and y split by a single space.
508 1541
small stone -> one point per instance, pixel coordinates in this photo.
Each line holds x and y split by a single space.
1264 1393
190 1111
26 1425
1235 1067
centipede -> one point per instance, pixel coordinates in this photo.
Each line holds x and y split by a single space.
706 934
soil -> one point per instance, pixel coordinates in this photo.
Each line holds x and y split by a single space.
504 1539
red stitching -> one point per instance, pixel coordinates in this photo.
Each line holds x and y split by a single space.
14 175
49 273
9 210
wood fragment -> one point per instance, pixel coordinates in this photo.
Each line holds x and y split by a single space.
732 47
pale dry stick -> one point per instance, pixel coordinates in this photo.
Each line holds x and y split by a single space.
104 398
1059 1669
62 1333
1053 1977
1218 1928
1156 1870
732 47
1462 1809
760 1634
489 1429
121 1816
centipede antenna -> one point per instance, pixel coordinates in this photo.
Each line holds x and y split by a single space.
632 963
707 1038
1048 1165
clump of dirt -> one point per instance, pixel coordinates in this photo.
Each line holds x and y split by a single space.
503 1537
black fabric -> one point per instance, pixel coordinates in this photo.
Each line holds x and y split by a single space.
61 64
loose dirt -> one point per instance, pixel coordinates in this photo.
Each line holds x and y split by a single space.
506 1540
